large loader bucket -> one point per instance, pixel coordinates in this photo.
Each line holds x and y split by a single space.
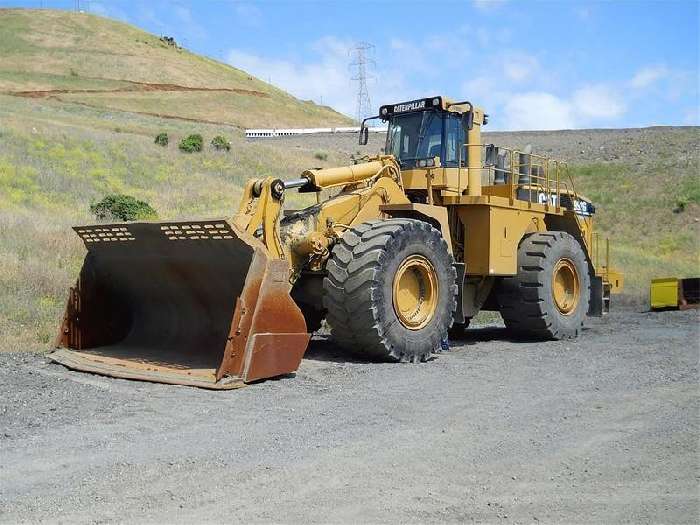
194 303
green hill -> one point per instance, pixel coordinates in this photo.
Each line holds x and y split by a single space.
84 59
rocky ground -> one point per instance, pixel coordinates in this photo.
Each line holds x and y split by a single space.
600 430
636 146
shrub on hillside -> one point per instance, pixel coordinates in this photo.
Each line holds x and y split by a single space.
321 155
192 143
162 139
688 192
122 208
220 143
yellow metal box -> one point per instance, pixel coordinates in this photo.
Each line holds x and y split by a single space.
664 293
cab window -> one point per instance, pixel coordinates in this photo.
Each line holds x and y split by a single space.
454 141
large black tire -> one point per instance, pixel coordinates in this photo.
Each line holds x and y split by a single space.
527 301
358 290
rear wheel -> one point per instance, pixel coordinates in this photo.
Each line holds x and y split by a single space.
390 292
548 298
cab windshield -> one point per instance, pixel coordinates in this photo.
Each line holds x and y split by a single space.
414 136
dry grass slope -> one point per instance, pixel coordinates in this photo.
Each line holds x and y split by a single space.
62 54
54 164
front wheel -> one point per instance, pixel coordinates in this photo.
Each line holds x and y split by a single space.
548 298
390 291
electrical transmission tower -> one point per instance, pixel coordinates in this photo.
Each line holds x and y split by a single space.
362 61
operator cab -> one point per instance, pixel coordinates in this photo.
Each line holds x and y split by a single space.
424 129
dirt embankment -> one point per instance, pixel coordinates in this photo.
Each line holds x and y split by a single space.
132 88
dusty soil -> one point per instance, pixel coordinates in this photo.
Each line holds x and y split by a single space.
133 86
600 430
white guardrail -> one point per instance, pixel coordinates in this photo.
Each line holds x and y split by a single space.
267 133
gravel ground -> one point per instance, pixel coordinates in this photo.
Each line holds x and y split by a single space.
600 430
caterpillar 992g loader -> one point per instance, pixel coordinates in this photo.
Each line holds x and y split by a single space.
415 242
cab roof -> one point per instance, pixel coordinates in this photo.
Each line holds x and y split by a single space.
425 104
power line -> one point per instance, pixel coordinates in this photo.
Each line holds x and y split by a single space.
362 60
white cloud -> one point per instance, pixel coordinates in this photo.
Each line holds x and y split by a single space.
189 27
486 90
487 5
582 12
597 102
483 36
537 110
398 44
648 76
692 117
325 79
519 66
109 11
148 17
479 87
325 74
249 14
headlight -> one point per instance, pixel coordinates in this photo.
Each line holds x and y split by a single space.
436 102
421 163
384 111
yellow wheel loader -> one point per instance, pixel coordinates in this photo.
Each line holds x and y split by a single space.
412 244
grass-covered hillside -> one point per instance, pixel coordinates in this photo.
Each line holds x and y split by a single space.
79 58
57 160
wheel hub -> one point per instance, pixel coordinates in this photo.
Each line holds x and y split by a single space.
565 286
415 292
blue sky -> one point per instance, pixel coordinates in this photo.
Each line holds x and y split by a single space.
531 65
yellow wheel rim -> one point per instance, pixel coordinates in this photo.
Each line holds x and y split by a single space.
565 286
415 292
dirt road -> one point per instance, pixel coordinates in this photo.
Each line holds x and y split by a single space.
603 429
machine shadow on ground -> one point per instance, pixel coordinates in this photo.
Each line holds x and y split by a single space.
322 347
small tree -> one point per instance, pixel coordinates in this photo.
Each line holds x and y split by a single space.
192 143
321 155
162 139
122 208
220 143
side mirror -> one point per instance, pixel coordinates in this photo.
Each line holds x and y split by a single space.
364 135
